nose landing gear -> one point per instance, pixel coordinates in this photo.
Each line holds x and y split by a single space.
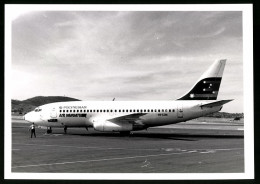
65 129
49 130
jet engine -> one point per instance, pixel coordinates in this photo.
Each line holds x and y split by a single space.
107 126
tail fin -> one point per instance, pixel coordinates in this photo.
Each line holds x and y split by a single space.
207 87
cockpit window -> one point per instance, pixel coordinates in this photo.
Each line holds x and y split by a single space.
37 109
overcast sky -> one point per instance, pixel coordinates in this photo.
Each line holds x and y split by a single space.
127 55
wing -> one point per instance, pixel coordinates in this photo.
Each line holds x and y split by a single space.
130 118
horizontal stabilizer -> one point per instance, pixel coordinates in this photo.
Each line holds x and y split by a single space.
217 103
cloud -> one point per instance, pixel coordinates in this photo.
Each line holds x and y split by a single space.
128 55
215 33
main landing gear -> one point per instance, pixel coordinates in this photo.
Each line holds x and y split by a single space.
65 129
125 133
49 130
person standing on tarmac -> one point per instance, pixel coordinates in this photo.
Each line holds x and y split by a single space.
32 128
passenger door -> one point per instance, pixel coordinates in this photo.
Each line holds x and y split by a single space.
180 111
53 113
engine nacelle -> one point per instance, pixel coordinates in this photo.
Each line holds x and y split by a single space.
107 126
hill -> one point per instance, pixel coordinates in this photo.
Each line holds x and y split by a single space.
22 107
226 115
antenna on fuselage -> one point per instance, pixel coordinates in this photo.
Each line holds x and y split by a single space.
113 99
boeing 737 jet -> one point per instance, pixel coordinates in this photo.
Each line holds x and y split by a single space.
127 116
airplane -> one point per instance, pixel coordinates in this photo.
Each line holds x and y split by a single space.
127 116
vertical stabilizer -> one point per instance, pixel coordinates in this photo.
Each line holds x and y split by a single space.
207 87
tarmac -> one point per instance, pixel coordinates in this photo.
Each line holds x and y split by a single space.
192 147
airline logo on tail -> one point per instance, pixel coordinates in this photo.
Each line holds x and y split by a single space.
208 85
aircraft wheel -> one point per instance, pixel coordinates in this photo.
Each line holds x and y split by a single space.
125 133
65 129
49 130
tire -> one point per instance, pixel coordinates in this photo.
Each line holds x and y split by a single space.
125 133
49 131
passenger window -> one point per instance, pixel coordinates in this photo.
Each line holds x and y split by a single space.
123 110
154 110
148 110
165 110
73 110
169 110
137 110
63 110
159 110
90 110
60 110
151 110
111 110
126 110
80 110
115 110
119 110
107 110
162 110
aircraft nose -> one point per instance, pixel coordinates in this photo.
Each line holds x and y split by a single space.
30 117
26 117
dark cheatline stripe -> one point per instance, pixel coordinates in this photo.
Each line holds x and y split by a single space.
205 89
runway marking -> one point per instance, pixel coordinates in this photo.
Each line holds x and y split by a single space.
119 158
153 149
224 149
99 160
147 164
193 151
87 147
210 151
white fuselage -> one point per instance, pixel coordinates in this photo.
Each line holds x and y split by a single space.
92 113
126 116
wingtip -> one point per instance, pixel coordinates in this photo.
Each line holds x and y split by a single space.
229 100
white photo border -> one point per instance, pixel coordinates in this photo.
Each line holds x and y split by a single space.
11 11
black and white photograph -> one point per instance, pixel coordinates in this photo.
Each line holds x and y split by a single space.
129 92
